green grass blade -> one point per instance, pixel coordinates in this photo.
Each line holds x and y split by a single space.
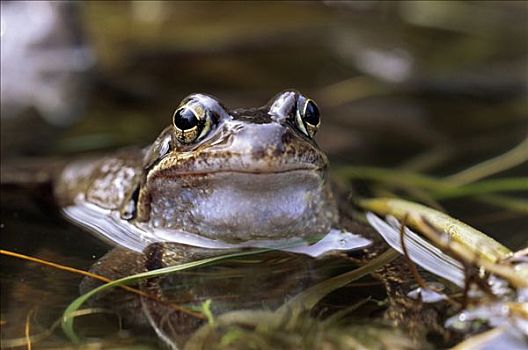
68 315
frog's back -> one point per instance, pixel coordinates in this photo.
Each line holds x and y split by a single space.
107 182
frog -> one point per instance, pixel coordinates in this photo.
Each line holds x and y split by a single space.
214 182
215 178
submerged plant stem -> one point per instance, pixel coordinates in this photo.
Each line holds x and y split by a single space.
27 330
36 338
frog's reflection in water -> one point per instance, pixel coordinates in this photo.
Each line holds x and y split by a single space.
263 281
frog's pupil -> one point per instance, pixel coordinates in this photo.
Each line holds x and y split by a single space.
311 114
185 119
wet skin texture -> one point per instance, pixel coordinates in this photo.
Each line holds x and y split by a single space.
230 175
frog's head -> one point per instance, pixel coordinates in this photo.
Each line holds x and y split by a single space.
239 174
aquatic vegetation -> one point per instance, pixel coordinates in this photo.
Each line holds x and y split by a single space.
67 320
491 284
417 97
494 280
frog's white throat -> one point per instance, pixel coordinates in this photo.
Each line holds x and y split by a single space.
237 207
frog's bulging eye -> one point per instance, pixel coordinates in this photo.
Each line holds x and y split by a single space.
191 122
185 119
307 117
311 113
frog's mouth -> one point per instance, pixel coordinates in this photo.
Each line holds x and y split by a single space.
250 160
265 179
269 182
252 172
269 170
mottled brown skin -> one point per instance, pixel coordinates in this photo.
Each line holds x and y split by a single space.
251 174
95 178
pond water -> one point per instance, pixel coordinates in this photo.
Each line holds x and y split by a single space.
429 88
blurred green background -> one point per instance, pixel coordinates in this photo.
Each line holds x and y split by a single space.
425 87
393 79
